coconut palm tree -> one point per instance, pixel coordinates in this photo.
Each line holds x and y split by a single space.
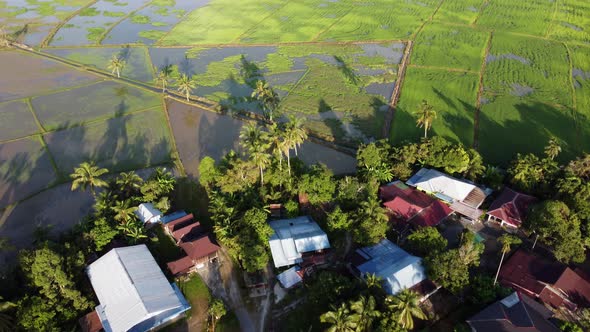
164 77
275 138
295 131
116 65
256 143
364 313
129 182
260 156
185 85
426 114
87 175
406 305
268 98
123 211
372 280
216 311
507 241
339 319
553 148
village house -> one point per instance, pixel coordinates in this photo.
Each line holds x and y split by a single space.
411 208
552 283
199 246
397 268
510 208
463 197
514 313
133 292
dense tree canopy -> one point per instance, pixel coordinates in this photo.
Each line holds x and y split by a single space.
426 241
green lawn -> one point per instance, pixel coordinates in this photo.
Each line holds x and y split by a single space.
452 94
571 22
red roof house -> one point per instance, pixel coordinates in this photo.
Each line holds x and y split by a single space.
179 223
410 206
551 282
510 208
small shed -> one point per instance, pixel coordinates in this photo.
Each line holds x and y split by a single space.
147 213
290 277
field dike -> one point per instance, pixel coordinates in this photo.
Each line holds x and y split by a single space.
480 92
397 90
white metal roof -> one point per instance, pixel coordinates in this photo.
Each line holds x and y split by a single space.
397 268
433 181
290 277
131 287
292 237
146 212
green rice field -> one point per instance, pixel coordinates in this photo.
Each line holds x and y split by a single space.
503 75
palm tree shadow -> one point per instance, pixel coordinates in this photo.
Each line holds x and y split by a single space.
346 70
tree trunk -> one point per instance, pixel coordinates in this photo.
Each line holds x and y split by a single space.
118 73
187 96
426 130
289 162
499 267
295 150
261 176
535 243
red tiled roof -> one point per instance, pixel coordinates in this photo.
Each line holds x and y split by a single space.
403 208
186 232
511 206
180 266
179 223
411 195
199 248
433 215
413 206
576 287
91 322
529 272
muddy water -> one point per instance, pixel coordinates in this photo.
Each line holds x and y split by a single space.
199 133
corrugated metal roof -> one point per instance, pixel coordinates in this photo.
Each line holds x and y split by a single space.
290 277
146 212
397 268
292 237
433 181
131 287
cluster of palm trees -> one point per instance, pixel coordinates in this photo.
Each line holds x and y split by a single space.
268 98
184 83
277 140
88 176
360 315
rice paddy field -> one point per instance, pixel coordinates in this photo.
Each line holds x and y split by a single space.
504 76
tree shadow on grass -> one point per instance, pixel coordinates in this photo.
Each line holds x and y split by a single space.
250 72
346 70
499 141
450 103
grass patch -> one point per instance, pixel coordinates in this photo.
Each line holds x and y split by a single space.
90 11
529 68
140 19
453 96
120 144
224 21
511 125
459 11
450 46
571 22
530 17
137 67
78 106
152 34
113 14
95 33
